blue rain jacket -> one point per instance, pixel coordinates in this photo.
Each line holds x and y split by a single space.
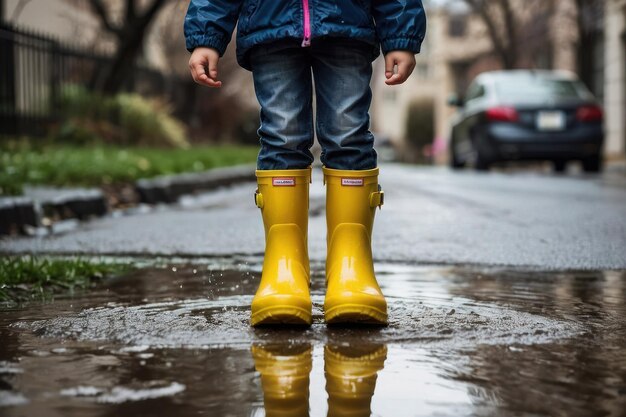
386 24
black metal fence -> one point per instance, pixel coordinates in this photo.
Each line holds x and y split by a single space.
34 69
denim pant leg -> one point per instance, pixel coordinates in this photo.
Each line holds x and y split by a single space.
342 71
283 86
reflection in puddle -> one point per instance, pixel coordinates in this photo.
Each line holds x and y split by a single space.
355 381
284 374
350 375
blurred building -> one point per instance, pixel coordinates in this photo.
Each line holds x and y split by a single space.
452 44
457 48
67 20
615 78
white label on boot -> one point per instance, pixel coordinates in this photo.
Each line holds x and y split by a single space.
284 181
352 181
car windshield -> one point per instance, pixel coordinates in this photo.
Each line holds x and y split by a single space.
535 88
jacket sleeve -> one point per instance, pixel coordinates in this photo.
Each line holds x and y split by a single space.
400 24
210 23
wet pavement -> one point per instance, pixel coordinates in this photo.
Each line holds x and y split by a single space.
462 341
431 216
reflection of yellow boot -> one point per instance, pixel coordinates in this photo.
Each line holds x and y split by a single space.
285 378
352 293
351 375
283 294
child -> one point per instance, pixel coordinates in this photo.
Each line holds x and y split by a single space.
286 44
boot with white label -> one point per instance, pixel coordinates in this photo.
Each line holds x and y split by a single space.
283 293
352 292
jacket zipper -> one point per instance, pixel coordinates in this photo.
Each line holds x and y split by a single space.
306 41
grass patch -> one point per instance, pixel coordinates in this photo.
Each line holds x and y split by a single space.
22 162
24 278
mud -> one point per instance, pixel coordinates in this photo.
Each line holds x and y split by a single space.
175 340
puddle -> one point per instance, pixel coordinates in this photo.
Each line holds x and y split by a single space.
461 341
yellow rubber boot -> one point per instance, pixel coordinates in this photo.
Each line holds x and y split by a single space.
284 378
352 293
283 294
351 376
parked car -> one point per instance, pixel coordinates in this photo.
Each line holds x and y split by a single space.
527 115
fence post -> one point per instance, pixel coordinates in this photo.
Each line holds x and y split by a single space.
8 111
55 80
35 67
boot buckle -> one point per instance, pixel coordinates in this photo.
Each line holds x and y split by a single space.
377 199
258 199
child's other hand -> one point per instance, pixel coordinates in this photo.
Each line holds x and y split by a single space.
405 61
203 66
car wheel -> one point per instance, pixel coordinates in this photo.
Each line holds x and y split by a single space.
455 162
592 164
482 164
559 166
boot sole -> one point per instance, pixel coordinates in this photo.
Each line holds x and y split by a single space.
281 315
355 314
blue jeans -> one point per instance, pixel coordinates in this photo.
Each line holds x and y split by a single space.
283 75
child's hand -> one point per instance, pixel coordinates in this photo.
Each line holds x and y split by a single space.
203 59
405 61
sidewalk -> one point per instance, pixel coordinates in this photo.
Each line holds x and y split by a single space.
431 215
40 208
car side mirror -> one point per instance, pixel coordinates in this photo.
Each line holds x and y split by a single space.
454 100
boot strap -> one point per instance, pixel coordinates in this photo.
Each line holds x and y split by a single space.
377 199
258 199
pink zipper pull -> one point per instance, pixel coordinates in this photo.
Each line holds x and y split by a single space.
307 24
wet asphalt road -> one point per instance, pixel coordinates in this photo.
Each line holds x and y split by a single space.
507 297
431 215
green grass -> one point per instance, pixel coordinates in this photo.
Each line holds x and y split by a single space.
22 163
31 278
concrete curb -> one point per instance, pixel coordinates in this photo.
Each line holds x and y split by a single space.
16 213
42 206
64 203
168 189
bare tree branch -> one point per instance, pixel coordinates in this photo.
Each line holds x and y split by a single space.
131 33
131 10
98 8
588 12
510 28
501 47
19 9
510 25
153 9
